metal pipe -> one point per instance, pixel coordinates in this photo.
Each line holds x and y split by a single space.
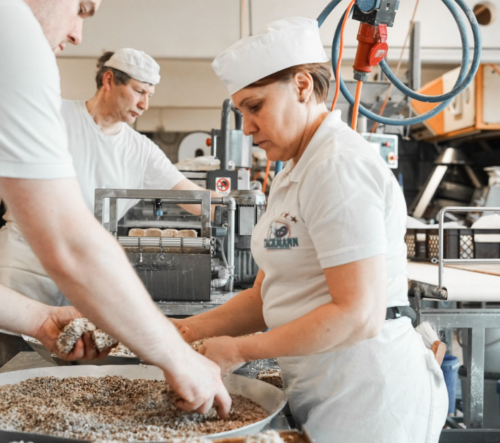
226 133
456 261
223 278
231 206
238 118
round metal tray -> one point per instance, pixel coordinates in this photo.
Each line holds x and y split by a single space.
269 397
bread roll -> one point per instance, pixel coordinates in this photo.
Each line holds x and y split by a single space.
169 233
187 233
136 233
153 232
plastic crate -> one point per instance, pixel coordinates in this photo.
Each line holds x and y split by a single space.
423 244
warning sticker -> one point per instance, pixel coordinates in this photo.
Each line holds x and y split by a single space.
223 185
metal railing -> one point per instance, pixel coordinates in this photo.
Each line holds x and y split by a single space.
441 290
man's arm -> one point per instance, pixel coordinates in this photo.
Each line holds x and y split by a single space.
188 185
45 323
92 270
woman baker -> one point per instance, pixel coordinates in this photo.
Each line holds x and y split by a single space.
332 258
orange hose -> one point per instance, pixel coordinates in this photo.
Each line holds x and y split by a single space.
355 109
495 69
268 168
341 52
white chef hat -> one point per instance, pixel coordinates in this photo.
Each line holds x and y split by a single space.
281 44
137 64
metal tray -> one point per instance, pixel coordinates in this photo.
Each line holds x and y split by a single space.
288 436
269 397
47 355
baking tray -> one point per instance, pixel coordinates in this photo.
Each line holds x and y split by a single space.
269 397
287 436
8 437
47 355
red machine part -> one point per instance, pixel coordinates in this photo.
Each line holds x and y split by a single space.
372 47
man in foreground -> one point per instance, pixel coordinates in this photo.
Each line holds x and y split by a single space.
42 194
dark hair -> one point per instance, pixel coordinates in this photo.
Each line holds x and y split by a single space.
319 72
120 77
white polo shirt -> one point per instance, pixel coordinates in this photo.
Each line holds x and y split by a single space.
33 142
339 204
127 160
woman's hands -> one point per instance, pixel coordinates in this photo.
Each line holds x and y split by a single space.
225 352
186 329
51 328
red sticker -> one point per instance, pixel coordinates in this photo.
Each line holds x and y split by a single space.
223 184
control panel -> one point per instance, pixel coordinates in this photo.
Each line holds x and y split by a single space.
386 145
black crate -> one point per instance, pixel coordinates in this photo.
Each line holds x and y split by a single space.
423 244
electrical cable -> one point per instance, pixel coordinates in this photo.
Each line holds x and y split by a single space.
355 109
462 81
268 168
398 66
429 114
459 86
495 69
341 52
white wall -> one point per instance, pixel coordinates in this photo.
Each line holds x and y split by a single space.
203 28
185 35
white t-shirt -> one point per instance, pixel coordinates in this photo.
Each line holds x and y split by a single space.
127 160
33 142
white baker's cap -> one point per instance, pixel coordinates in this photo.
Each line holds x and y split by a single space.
137 64
281 44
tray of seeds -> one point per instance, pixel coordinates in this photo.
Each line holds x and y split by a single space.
271 436
123 403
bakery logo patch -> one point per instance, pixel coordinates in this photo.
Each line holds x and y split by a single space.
280 235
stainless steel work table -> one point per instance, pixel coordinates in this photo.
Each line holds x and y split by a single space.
465 286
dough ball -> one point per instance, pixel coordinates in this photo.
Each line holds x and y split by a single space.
137 233
72 332
187 233
102 340
153 232
169 233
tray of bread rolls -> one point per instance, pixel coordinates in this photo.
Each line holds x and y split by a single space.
164 240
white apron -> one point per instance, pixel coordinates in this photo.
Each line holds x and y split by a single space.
340 204
21 270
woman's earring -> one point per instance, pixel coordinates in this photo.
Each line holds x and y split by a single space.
302 100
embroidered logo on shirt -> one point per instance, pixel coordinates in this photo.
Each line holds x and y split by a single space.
280 236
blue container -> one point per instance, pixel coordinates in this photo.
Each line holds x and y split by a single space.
450 367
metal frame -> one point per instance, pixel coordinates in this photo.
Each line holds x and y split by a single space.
477 321
441 291
171 197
